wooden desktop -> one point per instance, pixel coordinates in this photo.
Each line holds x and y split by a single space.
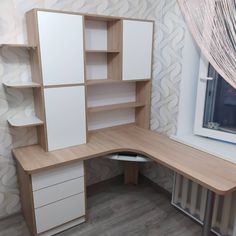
215 174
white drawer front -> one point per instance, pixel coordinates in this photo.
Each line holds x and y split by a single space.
57 175
60 212
57 192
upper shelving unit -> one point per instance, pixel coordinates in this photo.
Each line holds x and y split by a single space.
103 47
22 84
26 46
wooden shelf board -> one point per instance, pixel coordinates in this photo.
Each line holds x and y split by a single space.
115 107
22 84
17 46
101 18
102 51
19 121
110 81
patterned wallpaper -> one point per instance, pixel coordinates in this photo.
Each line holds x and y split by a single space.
14 64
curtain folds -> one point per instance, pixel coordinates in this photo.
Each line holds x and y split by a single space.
213 26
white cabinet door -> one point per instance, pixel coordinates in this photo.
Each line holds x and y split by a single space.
137 49
61 47
65 116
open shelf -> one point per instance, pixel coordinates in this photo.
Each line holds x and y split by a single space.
115 107
103 41
20 121
22 84
110 118
26 46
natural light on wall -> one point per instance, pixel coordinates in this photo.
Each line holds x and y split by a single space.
213 25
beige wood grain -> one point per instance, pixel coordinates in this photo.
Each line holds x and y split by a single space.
115 107
205 169
143 95
93 16
26 46
131 172
101 51
36 72
26 196
110 81
114 42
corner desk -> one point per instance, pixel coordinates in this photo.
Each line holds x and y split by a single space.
215 174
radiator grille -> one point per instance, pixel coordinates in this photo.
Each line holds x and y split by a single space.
190 198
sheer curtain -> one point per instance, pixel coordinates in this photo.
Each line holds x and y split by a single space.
213 26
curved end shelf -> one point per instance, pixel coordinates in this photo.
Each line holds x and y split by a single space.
26 46
19 121
22 84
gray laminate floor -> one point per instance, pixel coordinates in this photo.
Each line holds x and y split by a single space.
115 209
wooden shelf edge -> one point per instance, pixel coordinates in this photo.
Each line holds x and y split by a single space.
101 51
21 84
115 107
26 46
20 122
93 131
110 81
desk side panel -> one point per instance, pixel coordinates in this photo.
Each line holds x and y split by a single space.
26 197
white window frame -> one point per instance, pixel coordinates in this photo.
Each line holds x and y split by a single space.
200 104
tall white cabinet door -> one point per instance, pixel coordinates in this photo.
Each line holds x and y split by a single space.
65 116
137 49
61 47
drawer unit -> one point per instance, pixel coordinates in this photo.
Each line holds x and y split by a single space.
60 212
57 192
59 197
57 175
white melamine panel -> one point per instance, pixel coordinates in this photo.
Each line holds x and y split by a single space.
96 66
107 94
95 35
64 227
51 177
65 116
62 49
57 192
137 49
60 212
111 118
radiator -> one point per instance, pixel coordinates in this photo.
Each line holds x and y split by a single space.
190 198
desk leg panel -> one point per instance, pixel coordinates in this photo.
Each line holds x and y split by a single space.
26 196
131 172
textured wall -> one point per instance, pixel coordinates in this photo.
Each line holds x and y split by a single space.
14 64
169 40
